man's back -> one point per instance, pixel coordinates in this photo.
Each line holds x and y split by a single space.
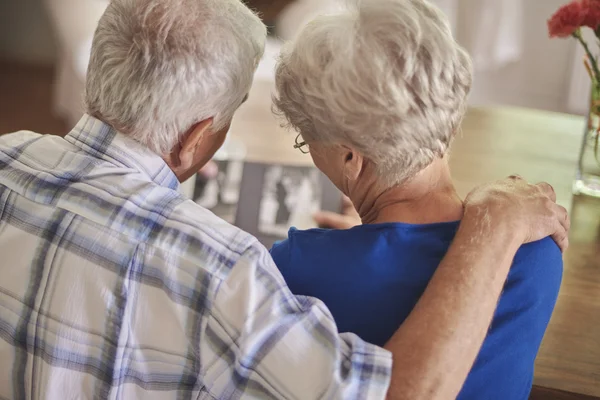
84 242
114 286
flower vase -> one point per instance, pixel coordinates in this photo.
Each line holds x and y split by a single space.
587 179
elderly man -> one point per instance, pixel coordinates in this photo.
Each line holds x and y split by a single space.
114 286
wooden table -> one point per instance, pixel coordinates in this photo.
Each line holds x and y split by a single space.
495 143
544 146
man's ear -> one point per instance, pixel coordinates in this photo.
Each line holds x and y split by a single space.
354 163
192 141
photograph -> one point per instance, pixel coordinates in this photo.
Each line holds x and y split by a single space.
290 196
221 193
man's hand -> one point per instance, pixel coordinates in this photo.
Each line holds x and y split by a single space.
529 210
346 220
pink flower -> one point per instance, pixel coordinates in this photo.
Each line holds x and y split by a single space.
568 19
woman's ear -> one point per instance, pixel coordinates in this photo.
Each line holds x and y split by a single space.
354 163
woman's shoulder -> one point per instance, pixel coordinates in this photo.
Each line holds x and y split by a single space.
363 243
543 251
538 264
281 249
280 252
302 242
310 235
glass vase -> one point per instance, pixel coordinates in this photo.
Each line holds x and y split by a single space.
587 179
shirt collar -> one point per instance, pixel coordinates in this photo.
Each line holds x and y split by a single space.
103 141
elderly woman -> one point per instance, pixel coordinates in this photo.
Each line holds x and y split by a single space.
377 94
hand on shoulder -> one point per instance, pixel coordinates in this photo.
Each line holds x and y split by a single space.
528 211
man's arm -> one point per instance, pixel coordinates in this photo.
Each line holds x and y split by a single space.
263 341
436 346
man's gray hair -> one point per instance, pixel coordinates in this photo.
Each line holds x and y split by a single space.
385 76
159 66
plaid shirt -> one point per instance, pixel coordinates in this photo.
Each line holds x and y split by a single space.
112 285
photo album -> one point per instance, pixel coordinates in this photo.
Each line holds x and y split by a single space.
266 200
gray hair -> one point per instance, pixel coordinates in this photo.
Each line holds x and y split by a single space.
159 66
385 76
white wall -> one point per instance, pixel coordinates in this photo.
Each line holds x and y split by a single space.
542 77
540 80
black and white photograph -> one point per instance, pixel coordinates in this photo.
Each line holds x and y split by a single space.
221 193
290 196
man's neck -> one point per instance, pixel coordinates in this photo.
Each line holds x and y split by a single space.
430 197
182 174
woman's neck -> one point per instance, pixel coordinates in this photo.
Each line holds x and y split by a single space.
429 197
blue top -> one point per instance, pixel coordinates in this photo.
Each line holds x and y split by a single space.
371 277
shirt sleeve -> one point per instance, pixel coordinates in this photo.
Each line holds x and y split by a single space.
263 342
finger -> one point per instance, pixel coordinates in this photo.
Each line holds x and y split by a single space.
346 202
562 239
348 208
563 218
563 224
331 220
548 190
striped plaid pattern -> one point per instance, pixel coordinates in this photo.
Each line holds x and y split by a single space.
114 286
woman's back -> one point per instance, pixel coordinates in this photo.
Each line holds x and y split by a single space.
371 277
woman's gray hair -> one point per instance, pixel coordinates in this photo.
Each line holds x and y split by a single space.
159 66
385 76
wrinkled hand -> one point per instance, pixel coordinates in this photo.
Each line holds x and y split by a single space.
529 210
346 220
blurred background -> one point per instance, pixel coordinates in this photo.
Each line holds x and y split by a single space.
44 45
